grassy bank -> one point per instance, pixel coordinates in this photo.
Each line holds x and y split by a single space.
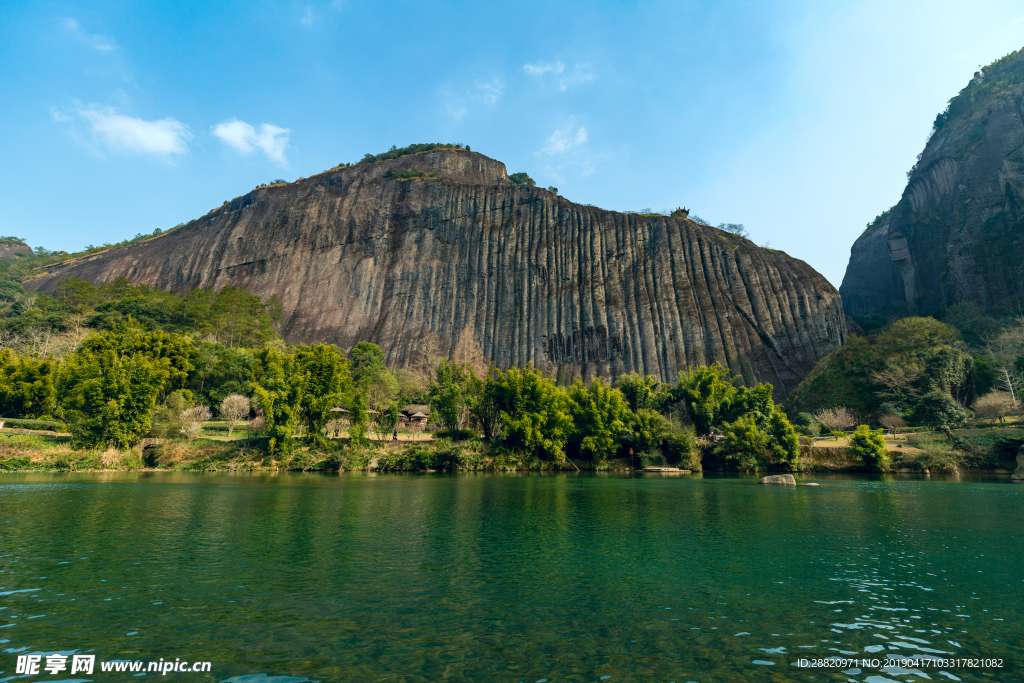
24 450
53 452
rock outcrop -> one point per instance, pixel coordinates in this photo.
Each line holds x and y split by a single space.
13 250
489 271
957 234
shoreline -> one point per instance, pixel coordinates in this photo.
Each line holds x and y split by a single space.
26 451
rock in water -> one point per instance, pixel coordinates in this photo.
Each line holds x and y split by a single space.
778 480
469 265
957 234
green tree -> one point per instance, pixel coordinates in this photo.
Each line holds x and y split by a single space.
26 386
642 393
916 333
279 390
706 393
600 416
371 376
753 443
325 370
108 396
219 371
941 412
868 446
129 338
783 441
756 402
522 179
363 358
743 444
649 429
388 418
447 394
533 413
357 419
482 402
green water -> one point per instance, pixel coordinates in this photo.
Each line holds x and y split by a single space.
509 578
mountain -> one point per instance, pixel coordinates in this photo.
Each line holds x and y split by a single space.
957 234
456 257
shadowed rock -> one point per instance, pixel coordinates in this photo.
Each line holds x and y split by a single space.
957 234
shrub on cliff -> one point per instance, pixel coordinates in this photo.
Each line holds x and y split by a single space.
869 447
408 173
522 179
396 152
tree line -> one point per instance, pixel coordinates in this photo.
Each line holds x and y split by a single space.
122 384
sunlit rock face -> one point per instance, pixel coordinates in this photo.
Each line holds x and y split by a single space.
482 269
957 234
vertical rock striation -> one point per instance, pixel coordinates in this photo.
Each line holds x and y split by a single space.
494 272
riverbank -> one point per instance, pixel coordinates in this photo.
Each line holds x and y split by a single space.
28 451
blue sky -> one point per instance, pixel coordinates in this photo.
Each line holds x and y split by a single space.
798 119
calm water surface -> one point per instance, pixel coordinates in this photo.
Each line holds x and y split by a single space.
510 578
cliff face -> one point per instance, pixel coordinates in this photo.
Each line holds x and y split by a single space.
494 272
957 234
12 250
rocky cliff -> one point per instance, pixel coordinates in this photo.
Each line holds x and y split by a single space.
11 250
957 234
494 272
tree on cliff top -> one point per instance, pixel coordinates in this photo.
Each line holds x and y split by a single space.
522 179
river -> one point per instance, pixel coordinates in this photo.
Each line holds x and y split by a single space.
515 578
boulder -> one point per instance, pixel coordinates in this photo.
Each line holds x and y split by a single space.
1018 474
779 480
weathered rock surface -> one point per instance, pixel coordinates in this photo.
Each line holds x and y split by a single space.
494 272
957 234
778 480
12 250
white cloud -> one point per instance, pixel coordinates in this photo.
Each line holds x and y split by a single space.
564 139
491 91
163 137
580 73
307 18
95 41
270 139
541 69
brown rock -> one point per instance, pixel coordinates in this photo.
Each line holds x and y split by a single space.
491 271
